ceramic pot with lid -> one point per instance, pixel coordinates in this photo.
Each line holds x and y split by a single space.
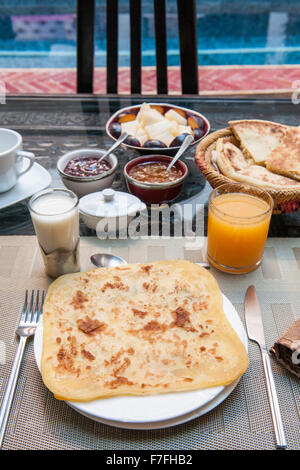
109 210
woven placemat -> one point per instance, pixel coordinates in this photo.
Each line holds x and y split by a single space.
242 421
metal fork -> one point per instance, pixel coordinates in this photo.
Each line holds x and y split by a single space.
30 315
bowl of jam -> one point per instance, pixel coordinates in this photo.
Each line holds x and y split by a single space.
157 128
82 173
148 179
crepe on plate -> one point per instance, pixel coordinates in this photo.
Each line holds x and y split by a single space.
137 330
258 138
234 164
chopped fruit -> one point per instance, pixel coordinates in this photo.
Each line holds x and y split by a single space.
154 144
158 108
166 137
115 129
151 117
192 122
147 116
132 141
198 133
141 135
172 115
130 127
174 128
195 122
184 130
180 111
158 128
178 140
127 117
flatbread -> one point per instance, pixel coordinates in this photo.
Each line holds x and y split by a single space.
258 138
230 158
138 329
259 176
285 159
237 166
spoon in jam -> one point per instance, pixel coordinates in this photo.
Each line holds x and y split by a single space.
185 144
111 149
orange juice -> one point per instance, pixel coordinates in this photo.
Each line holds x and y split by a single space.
238 225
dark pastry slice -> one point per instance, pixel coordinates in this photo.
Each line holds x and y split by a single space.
287 349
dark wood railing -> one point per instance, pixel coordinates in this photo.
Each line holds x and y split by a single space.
187 40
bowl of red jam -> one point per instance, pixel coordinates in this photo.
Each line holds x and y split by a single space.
148 179
82 173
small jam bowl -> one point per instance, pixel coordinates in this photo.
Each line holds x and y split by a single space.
155 193
82 185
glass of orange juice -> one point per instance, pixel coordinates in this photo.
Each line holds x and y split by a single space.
238 223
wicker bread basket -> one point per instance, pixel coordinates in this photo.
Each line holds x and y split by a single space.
285 200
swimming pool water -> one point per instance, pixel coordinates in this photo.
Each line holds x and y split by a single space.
245 36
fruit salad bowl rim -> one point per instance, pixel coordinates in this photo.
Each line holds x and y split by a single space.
163 150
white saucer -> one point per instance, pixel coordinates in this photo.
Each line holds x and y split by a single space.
36 179
154 411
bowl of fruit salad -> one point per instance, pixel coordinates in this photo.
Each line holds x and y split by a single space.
157 127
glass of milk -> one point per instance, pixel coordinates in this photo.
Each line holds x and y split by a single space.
54 214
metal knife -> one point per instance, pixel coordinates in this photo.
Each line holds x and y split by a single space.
256 333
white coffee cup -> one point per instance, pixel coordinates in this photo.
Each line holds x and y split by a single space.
12 159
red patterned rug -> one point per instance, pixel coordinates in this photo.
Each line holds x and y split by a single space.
212 80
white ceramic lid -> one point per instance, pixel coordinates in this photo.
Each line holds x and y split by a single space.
109 203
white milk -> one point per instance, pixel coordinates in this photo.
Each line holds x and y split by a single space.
56 221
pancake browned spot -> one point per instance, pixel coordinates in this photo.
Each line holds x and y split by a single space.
79 299
139 313
146 268
153 326
66 359
182 319
88 325
88 355
121 369
115 285
114 384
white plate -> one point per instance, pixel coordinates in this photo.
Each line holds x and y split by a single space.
36 179
150 410
170 422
